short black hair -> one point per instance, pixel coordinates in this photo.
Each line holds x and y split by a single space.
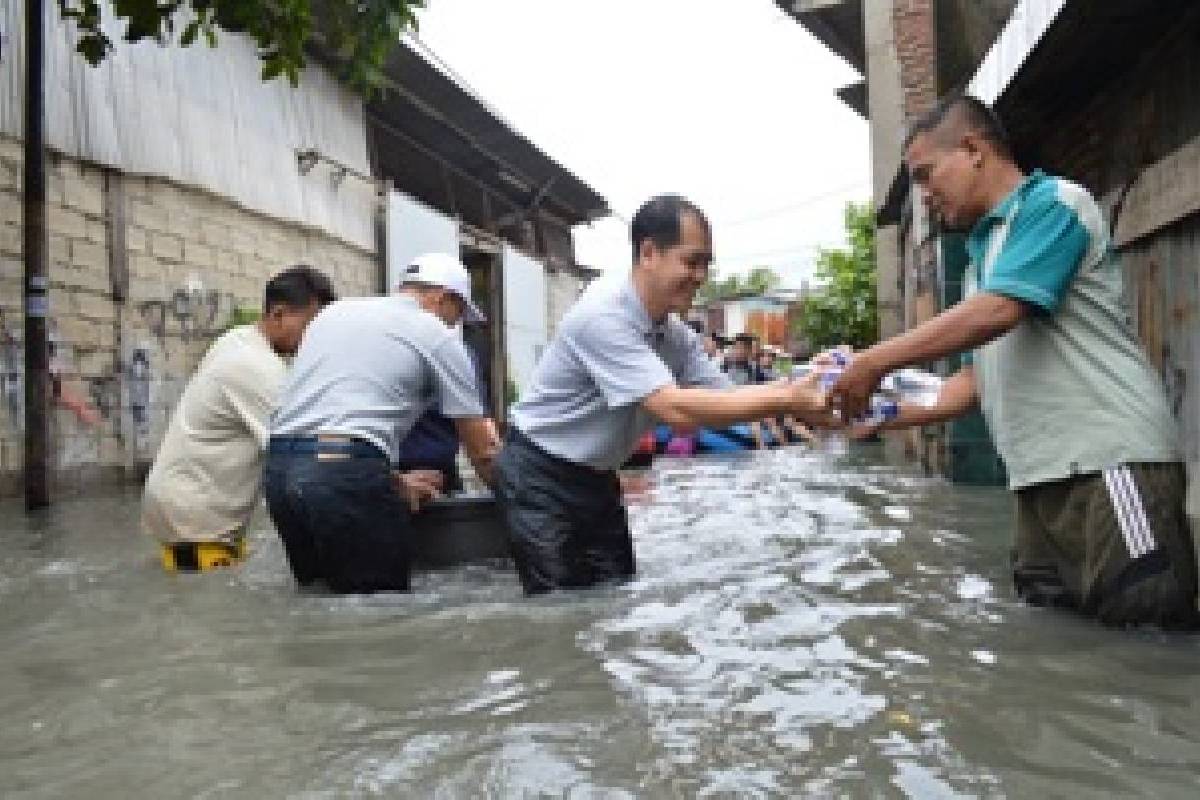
297 287
974 115
660 219
746 338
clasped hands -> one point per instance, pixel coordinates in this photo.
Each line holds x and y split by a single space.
836 407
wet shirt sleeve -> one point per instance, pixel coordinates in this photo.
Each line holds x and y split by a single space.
619 360
455 387
1045 246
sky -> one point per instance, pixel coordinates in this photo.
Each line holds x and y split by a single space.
730 103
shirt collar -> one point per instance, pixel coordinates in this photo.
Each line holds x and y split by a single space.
981 231
638 314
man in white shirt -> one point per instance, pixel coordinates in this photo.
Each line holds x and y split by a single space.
206 478
368 368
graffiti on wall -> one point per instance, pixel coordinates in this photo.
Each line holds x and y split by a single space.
104 394
139 375
196 312
134 397
12 384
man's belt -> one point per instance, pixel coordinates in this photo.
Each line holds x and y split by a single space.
325 443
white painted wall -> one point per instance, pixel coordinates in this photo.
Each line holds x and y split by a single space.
413 229
735 319
200 116
526 329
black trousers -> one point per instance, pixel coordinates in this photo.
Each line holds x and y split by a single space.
342 522
567 528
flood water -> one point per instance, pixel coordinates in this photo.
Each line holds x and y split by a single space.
797 629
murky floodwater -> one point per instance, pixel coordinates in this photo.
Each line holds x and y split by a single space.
795 630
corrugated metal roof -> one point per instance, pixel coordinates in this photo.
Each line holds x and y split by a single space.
426 120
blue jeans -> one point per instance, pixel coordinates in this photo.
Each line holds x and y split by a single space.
342 522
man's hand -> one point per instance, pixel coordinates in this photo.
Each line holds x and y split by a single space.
418 486
975 321
482 443
830 357
809 403
851 394
958 396
799 430
864 430
634 485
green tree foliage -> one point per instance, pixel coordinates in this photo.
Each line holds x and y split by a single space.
358 34
843 310
758 281
241 315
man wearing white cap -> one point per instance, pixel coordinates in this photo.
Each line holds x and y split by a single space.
366 370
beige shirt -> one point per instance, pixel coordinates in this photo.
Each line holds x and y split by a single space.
205 481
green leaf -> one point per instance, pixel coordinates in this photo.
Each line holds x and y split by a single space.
93 48
272 68
190 33
362 32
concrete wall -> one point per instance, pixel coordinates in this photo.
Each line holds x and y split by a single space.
901 39
563 288
191 259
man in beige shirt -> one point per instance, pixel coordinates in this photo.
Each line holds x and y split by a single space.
206 478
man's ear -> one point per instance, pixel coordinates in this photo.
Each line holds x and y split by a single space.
647 250
974 144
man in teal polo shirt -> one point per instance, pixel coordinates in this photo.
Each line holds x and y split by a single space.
1075 408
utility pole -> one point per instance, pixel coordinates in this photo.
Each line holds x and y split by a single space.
36 284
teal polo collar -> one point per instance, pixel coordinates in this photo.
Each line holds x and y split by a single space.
977 239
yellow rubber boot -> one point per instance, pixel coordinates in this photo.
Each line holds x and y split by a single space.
202 556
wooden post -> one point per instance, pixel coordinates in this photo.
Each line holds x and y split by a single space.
36 284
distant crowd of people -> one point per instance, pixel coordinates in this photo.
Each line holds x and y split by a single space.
746 361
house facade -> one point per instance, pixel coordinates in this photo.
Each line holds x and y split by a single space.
179 183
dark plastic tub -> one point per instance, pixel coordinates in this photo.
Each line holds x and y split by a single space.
459 529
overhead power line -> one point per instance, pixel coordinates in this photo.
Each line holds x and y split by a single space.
804 203
796 249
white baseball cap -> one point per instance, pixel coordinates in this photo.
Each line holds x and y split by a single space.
439 269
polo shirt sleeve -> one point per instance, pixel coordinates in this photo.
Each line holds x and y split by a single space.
618 359
699 369
1045 246
455 388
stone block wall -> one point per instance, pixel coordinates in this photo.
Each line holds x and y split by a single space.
126 346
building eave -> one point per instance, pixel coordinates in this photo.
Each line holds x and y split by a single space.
837 24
